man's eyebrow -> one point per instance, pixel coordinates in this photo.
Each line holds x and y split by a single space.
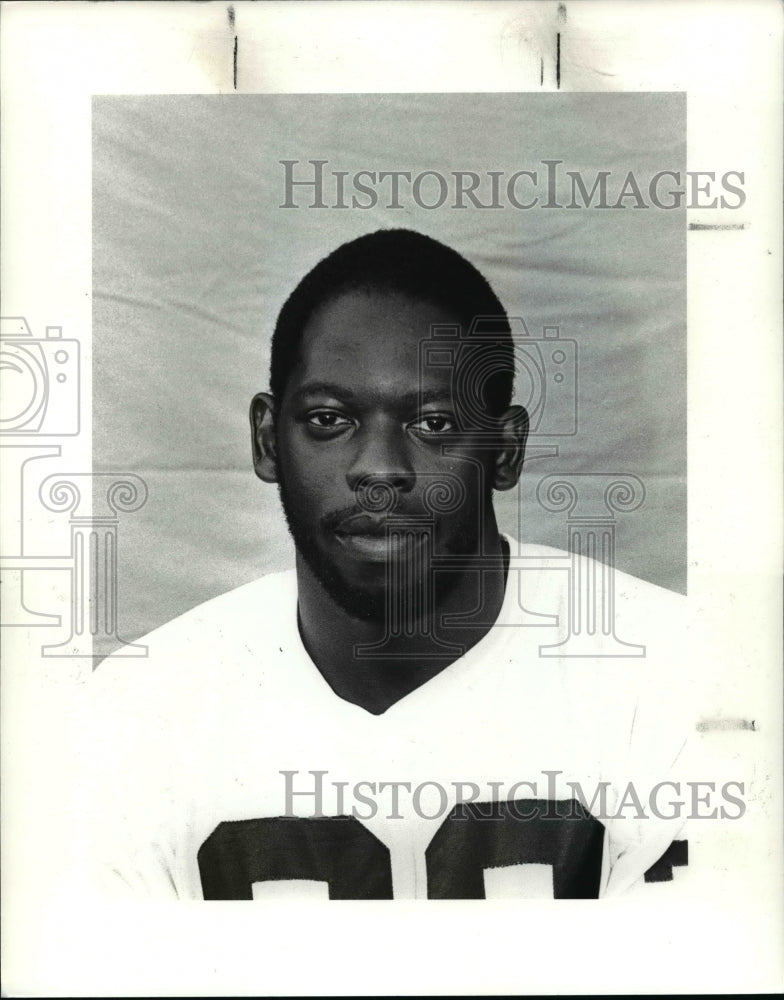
425 396
409 399
325 389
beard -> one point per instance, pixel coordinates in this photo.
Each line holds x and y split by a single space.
361 603
404 598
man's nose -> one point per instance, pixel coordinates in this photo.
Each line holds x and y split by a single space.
382 457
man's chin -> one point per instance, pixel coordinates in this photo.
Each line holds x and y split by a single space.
361 603
371 599
362 607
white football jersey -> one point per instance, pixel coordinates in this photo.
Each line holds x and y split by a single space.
227 768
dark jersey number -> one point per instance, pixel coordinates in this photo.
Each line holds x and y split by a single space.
356 865
336 850
525 831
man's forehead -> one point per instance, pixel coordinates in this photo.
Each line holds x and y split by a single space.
372 319
370 342
342 390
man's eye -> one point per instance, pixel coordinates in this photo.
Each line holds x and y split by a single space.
327 420
435 423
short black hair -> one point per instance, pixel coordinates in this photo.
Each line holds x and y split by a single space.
407 262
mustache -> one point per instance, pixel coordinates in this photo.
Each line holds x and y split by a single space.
362 517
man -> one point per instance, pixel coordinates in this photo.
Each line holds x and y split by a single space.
381 723
354 412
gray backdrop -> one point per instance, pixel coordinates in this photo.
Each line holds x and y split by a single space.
193 257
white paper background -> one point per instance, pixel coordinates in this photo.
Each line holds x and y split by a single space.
727 59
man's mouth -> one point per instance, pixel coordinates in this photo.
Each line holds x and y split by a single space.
373 538
363 525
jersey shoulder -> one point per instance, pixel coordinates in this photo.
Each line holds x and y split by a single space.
242 610
222 635
550 572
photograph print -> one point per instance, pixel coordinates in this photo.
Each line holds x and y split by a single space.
404 614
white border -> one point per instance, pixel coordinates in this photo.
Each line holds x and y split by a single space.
727 57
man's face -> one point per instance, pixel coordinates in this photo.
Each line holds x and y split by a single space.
366 437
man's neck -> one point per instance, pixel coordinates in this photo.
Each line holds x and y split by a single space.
397 663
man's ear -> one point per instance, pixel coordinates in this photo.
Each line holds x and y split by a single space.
262 433
513 427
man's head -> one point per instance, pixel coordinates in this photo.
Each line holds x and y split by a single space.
405 262
362 432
